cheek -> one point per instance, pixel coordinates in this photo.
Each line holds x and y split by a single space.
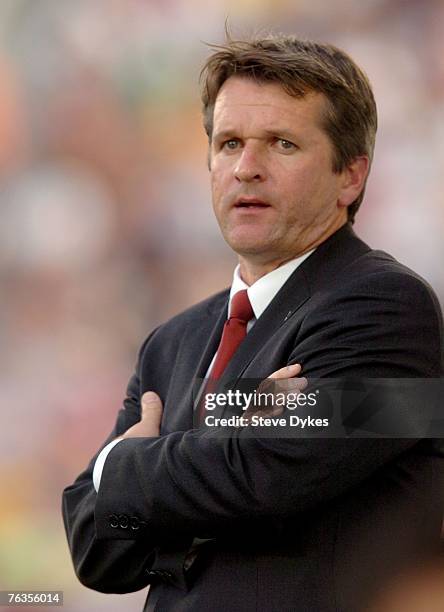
218 180
215 186
217 193
309 184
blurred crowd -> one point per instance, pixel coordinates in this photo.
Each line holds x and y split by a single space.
107 227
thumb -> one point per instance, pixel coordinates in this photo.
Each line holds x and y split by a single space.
151 404
287 372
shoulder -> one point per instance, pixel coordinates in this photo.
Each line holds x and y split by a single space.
375 283
172 331
375 313
345 266
377 274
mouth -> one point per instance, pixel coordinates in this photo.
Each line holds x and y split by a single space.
250 203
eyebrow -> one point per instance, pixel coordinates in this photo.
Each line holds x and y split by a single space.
284 133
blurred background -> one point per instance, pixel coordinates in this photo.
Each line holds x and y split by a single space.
106 224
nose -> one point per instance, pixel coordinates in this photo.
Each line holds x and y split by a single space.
249 167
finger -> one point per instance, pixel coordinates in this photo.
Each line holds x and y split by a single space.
290 385
299 383
287 371
151 405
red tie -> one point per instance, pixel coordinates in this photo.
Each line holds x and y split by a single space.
235 330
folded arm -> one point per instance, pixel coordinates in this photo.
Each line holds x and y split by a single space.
197 482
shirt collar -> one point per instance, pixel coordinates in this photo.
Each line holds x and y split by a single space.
265 288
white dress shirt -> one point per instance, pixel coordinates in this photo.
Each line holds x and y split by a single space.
260 295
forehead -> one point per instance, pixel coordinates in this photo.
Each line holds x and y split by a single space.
242 100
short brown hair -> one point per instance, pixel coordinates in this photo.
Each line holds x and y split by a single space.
301 66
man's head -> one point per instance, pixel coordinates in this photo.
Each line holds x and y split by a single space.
320 103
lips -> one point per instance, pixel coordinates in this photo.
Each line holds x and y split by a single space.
247 203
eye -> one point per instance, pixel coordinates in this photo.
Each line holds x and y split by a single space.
231 144
285 144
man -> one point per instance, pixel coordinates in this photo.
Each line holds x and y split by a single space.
240 521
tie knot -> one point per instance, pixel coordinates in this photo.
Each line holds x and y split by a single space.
241 307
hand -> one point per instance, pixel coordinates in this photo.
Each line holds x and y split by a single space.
268 385
151 416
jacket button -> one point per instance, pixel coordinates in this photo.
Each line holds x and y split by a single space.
123 521
159 575
166 575
134 523
113 521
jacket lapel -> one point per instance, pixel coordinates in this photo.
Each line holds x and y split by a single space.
209 334
197 350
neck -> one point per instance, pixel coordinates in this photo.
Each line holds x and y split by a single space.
252 268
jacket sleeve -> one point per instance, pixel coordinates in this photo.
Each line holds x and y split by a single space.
200 483
118 565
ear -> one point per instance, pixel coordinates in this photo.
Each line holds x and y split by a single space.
353 180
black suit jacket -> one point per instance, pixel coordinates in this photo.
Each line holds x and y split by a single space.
291 524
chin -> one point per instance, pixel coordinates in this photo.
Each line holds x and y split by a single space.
247 248
244 244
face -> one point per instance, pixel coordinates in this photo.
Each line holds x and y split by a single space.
275 194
